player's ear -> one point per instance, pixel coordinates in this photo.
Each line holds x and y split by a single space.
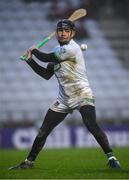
73 33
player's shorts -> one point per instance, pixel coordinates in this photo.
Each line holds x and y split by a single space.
58 106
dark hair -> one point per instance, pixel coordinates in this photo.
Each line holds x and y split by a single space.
65 23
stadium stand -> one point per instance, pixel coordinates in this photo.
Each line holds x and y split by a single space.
25 96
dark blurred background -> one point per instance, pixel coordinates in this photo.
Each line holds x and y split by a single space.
25 97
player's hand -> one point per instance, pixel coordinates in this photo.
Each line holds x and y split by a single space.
32 48
28 55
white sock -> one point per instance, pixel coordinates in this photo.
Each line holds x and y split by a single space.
112 157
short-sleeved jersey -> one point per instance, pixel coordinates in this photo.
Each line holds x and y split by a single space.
71 74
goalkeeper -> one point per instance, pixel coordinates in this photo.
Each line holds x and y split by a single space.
68 65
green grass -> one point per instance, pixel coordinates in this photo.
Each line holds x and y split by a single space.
83 163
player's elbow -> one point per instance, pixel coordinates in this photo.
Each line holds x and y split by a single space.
47 77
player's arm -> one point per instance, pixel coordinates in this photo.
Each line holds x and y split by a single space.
44 57
46 73
60 54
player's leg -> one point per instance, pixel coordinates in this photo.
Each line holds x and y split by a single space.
52 119
89 118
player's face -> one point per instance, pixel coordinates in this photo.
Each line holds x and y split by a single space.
64 35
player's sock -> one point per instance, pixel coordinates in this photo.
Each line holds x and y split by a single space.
29 162
110 155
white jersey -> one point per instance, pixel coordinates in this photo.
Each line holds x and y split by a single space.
71 74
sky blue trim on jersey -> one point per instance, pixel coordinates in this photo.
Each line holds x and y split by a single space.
58 51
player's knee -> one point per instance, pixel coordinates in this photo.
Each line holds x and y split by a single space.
42 133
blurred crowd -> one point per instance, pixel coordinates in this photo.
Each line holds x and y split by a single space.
59 9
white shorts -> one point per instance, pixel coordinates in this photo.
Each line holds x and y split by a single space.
68 108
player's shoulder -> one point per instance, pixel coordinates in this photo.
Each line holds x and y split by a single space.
72 46
67 50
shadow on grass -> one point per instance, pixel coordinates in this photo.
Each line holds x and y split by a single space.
105 171
67 173
77 170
